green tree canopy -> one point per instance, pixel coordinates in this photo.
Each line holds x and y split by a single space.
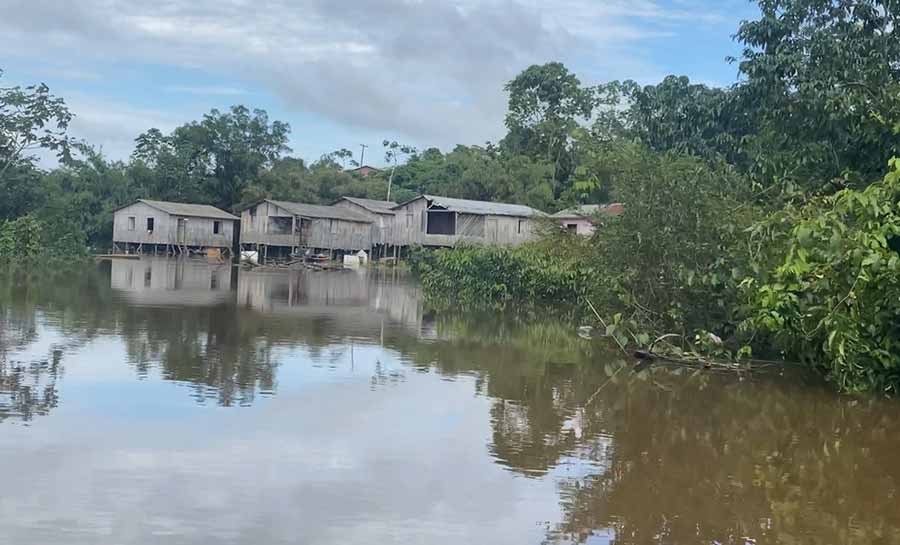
822 82
216 158
546 103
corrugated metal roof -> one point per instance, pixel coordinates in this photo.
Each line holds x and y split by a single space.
191 210
320 211
466 206
588 210
376 206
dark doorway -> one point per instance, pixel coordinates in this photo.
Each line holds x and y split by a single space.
280 225
441 222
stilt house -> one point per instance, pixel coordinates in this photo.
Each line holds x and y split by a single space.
286 227
147 226
429 220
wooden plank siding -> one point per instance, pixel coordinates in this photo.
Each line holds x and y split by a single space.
381 230
257 227
411 227
130 226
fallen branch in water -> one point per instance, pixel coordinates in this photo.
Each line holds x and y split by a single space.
648 356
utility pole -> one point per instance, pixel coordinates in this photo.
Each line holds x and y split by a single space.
391 181
362 155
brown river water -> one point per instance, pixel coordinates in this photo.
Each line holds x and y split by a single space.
175 402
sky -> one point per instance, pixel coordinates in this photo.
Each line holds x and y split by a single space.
429 73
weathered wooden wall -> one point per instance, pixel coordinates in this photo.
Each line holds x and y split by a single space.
140 212
198 231
410 228
337 234
506 229
323 233
255 229
382 224
409 224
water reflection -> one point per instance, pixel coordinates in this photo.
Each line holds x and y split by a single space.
201 402
714 461
181 282
352 303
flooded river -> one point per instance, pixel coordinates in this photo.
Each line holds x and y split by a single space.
175 402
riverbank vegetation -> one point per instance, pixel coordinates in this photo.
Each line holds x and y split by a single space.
763 214
761 218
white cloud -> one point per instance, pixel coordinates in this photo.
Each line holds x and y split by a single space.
206 90
113 127
431 71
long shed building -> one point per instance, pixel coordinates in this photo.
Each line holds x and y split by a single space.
147 226
380 212
430 220
288 227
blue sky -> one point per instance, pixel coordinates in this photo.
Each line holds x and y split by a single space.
424 72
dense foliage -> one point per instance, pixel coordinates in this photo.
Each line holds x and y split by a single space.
529 274
834 297
670 260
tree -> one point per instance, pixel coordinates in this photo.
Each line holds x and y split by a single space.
546 103
31 118
677 115
168 168
237 146
674 258
393 152
82 195
344 155
217 158
288 179
823 81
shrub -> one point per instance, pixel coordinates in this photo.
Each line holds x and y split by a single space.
485 275
833 300
27 238
20 238
673 260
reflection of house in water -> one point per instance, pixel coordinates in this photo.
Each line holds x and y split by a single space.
356 303
162 281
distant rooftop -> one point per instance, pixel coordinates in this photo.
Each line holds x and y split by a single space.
190 210
466 206
590 210
320 211
372 205
365 170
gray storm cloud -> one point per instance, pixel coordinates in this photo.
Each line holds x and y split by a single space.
432 71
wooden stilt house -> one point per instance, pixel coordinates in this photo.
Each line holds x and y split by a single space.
282 228
430 220
147 226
